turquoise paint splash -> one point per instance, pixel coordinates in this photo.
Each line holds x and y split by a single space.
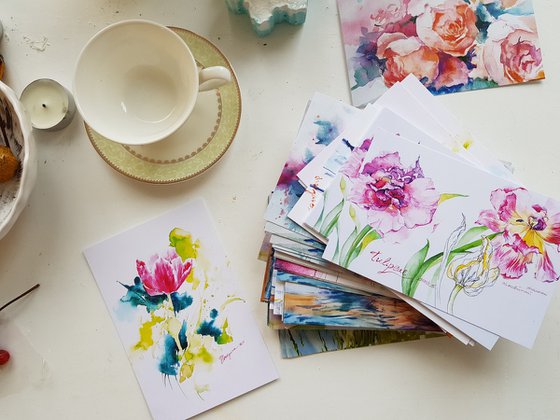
326 132
183 335
208 328
169 362
181 301
136 296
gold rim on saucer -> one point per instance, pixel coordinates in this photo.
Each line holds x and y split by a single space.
196 146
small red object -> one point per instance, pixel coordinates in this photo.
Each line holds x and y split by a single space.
4 357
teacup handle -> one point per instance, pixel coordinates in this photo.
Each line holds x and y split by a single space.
213 77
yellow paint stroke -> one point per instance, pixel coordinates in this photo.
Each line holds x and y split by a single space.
201 388
174 328
204 356
193 279
186 372
146 334
444 197
225 337
230 300
203 302
467 144
184 244
196 355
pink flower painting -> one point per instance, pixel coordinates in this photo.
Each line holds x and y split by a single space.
449 45
530 231
511 53
163 274
394 196
448 27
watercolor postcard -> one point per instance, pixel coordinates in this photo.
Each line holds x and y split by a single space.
324 119
310 305
449 45
173 298
450 235
298 342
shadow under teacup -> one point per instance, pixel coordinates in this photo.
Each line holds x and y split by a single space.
136 82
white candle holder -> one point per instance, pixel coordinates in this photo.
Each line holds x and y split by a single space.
50 105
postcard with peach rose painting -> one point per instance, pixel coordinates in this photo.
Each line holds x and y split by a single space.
450 45
184 325
450 235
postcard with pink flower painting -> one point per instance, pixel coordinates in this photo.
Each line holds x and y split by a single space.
449 45
448 234
184 325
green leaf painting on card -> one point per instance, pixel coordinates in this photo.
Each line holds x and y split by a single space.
444 197
414 270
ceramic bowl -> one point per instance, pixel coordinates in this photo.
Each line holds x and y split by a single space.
16 126
136 82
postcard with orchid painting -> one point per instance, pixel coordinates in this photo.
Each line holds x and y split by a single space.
446 233
184 325
450 45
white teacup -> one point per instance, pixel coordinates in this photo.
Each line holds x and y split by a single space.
136 82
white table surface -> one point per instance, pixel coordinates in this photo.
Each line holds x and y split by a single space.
67 360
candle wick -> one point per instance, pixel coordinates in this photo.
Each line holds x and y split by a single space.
44 106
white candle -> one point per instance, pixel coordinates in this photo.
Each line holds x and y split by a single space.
49 104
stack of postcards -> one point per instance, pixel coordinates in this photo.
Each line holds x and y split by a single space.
390 224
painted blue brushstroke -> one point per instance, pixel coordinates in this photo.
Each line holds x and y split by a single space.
317 188
524 9
326 132
472 85
331 308
316 251
347 144
339 158
136 296
367 65
483 20
308 156
181 301
296 189
125 312
468 60
294 278
268 285
318 246
448 89
183 336
208 328
169 362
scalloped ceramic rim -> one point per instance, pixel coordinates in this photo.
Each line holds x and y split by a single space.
128 163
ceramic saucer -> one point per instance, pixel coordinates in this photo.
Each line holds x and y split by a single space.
196 146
